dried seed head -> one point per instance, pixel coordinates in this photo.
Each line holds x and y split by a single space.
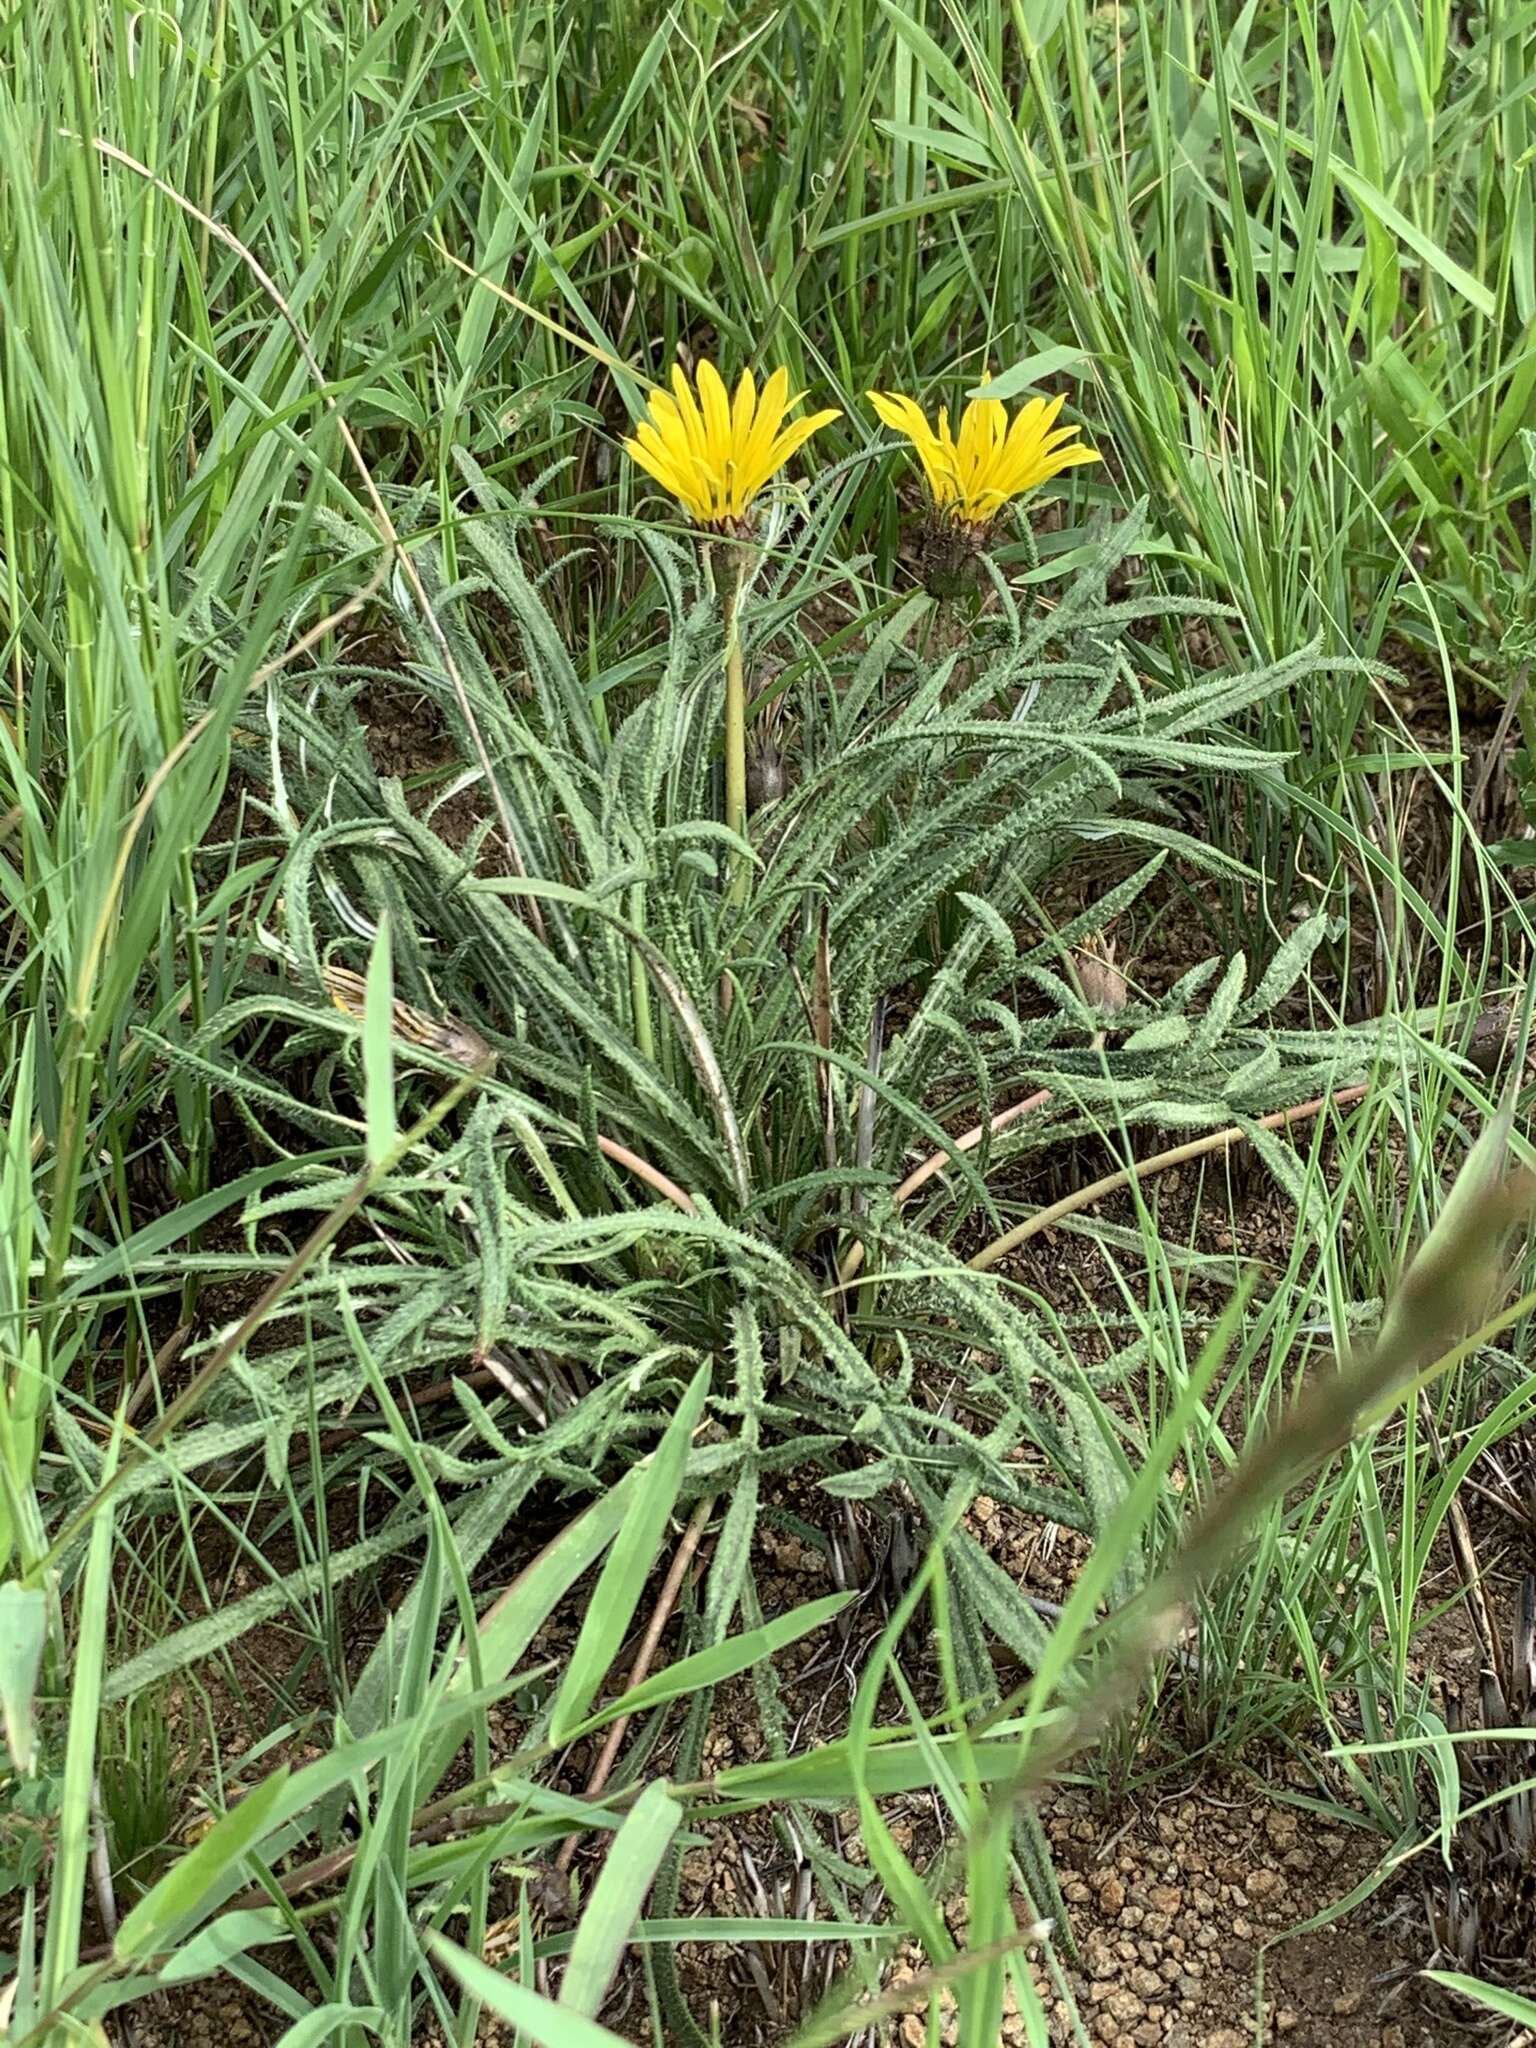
767 775
1102 982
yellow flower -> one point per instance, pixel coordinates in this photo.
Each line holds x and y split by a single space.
973 477
715 454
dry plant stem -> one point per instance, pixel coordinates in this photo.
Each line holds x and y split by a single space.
665 1602
1143 1169
921 1175
651 1175
101 1864
1492 759
914 1992
382 520
461 1819
532 312
343 1432
313 635
155 1372
440 1390
1466 1560
448 1820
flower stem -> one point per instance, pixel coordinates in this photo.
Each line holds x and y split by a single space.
639 986
731 581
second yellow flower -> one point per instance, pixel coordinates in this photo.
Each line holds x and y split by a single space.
973 475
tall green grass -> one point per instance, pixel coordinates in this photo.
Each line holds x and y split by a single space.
150 560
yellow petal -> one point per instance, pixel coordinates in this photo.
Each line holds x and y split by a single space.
982 426
1059 439
1024 434
942 468
1066 457
948 478
1043 468
1037 449
667 429
743 410
657 445
771 408
691 472
653 465
716 408
794 436
666 418
904 415
671 475
965 441
688 411
1039 413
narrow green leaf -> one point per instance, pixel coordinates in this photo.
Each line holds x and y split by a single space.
753 1927
23 1632
628 1566
179 1894
712 1667
508 1627
93 1603
628 1871
231 1934
1159 1035
928 53
1456 275
1024 376
326 2020
635 89
213 1948
546 2024
379 1051
864 1482
202 1879
1492 1996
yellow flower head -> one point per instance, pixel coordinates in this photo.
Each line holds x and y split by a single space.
972 477
715 453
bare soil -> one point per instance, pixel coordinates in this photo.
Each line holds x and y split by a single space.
1182 1913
